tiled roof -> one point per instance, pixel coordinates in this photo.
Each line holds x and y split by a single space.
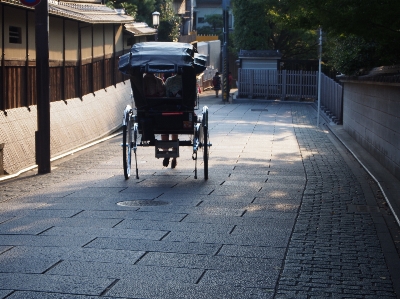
138 29
88 12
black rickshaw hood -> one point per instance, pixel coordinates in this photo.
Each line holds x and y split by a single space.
161 57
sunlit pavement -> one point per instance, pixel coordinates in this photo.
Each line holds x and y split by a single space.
286 212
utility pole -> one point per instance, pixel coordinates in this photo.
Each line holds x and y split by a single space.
42 135
225 51
191 16
319 74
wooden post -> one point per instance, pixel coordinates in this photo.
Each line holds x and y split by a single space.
3 69
42 87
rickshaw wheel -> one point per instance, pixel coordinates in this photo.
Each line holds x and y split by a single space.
127 146
206 141
205 152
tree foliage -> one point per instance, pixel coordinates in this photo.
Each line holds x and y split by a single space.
351 54
362 33
264 24
251 29
141 11
215 21
168 31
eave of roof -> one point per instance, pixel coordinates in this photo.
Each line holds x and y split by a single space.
139 29
85 12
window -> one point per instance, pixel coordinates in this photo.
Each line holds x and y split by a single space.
15 35
201 20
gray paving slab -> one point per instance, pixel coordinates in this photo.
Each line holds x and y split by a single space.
97 192
44 295
54 283
251 251
105 232
175 226
272 217
285 213
19 264
195 261
176 290
37 241
153 246
238 278
75 254
26 225
156 274
279 239
5 293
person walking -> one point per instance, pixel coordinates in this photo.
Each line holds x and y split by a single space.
216 83
230 81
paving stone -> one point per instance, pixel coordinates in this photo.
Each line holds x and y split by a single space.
44 295
153 246
156 274
54 283
105 232
25 265
282 215
4 293
175 290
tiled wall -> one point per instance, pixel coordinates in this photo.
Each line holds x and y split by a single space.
73 123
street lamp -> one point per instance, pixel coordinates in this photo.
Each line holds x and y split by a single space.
156 22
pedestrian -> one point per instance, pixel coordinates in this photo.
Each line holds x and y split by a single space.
230 79
216 83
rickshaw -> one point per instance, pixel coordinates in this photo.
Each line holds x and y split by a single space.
168 114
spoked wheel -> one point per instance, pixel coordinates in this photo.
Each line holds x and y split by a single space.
134 145
205 152
127 144
206 141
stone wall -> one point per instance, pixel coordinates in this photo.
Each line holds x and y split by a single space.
371 115
74 123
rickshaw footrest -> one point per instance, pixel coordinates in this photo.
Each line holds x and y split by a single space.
167 149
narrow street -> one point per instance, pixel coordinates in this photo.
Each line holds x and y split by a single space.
287 212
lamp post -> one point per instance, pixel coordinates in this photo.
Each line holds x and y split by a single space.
156 22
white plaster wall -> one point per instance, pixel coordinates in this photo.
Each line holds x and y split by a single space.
72 125
371 115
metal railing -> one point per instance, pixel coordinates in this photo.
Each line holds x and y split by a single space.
288 84
332 98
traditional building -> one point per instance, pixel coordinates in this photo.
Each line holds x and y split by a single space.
85 41
87 92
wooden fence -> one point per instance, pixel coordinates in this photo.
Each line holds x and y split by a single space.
277 84
18 82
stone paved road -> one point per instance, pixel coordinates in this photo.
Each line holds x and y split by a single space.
285 214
